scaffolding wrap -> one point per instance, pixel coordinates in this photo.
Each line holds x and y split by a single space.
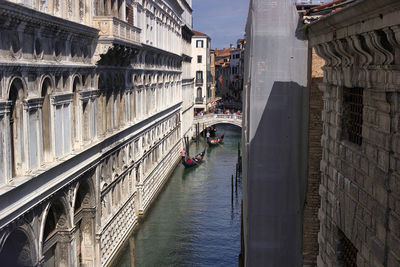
274 134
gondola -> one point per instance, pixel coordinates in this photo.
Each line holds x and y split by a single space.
215 141
195 160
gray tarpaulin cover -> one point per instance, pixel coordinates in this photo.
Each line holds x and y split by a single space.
274 134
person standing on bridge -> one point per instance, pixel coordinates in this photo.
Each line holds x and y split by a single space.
208 135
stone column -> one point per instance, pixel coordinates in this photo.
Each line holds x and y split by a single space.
50 5
5 143
107 8
122 10
87 239
63 255
115 9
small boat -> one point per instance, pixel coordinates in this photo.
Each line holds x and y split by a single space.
215 141
190 162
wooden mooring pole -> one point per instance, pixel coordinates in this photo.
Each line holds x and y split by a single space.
132 250
232 189
187 145
241 255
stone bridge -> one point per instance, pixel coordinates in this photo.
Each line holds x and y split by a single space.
212 119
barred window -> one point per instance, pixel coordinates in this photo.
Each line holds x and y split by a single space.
353 114
347 252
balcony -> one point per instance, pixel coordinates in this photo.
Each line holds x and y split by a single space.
113 29
199 100
199 81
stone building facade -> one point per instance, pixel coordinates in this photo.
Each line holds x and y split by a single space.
90 123
187 78
201 46
360 182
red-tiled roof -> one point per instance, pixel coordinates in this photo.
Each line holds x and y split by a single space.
326 9
225 52
196 33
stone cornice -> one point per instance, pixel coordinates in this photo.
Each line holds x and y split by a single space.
86 95
33 103
5 107
158 50
185 3
32 66
31 16
62 99
368 14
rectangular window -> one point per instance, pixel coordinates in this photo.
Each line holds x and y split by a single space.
353 114
199 44
199 59
199 75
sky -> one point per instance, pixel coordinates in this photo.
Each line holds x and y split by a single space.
223 20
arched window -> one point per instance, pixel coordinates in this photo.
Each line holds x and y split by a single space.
116 105
56 220
83 197
101 105
75 111
84 224
46 120
18 251
16 97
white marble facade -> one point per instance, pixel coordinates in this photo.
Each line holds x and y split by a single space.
90 123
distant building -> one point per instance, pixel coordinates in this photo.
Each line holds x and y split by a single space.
222 70
237 72
201 45
213 74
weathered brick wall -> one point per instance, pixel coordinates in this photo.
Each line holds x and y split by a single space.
313 200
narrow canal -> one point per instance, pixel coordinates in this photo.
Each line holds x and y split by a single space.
194 221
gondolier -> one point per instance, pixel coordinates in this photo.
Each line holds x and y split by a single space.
183 155
215 141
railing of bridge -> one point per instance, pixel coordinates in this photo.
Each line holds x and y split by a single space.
218 116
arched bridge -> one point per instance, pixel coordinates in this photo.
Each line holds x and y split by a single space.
212 119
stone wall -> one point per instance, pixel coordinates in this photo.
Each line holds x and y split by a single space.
359 188
313 200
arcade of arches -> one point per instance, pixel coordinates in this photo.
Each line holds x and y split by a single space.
90 129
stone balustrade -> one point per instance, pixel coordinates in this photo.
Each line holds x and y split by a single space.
114 28
212 119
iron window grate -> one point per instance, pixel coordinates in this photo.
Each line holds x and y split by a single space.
353 114
347 255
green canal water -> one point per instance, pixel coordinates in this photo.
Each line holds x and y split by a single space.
194 221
